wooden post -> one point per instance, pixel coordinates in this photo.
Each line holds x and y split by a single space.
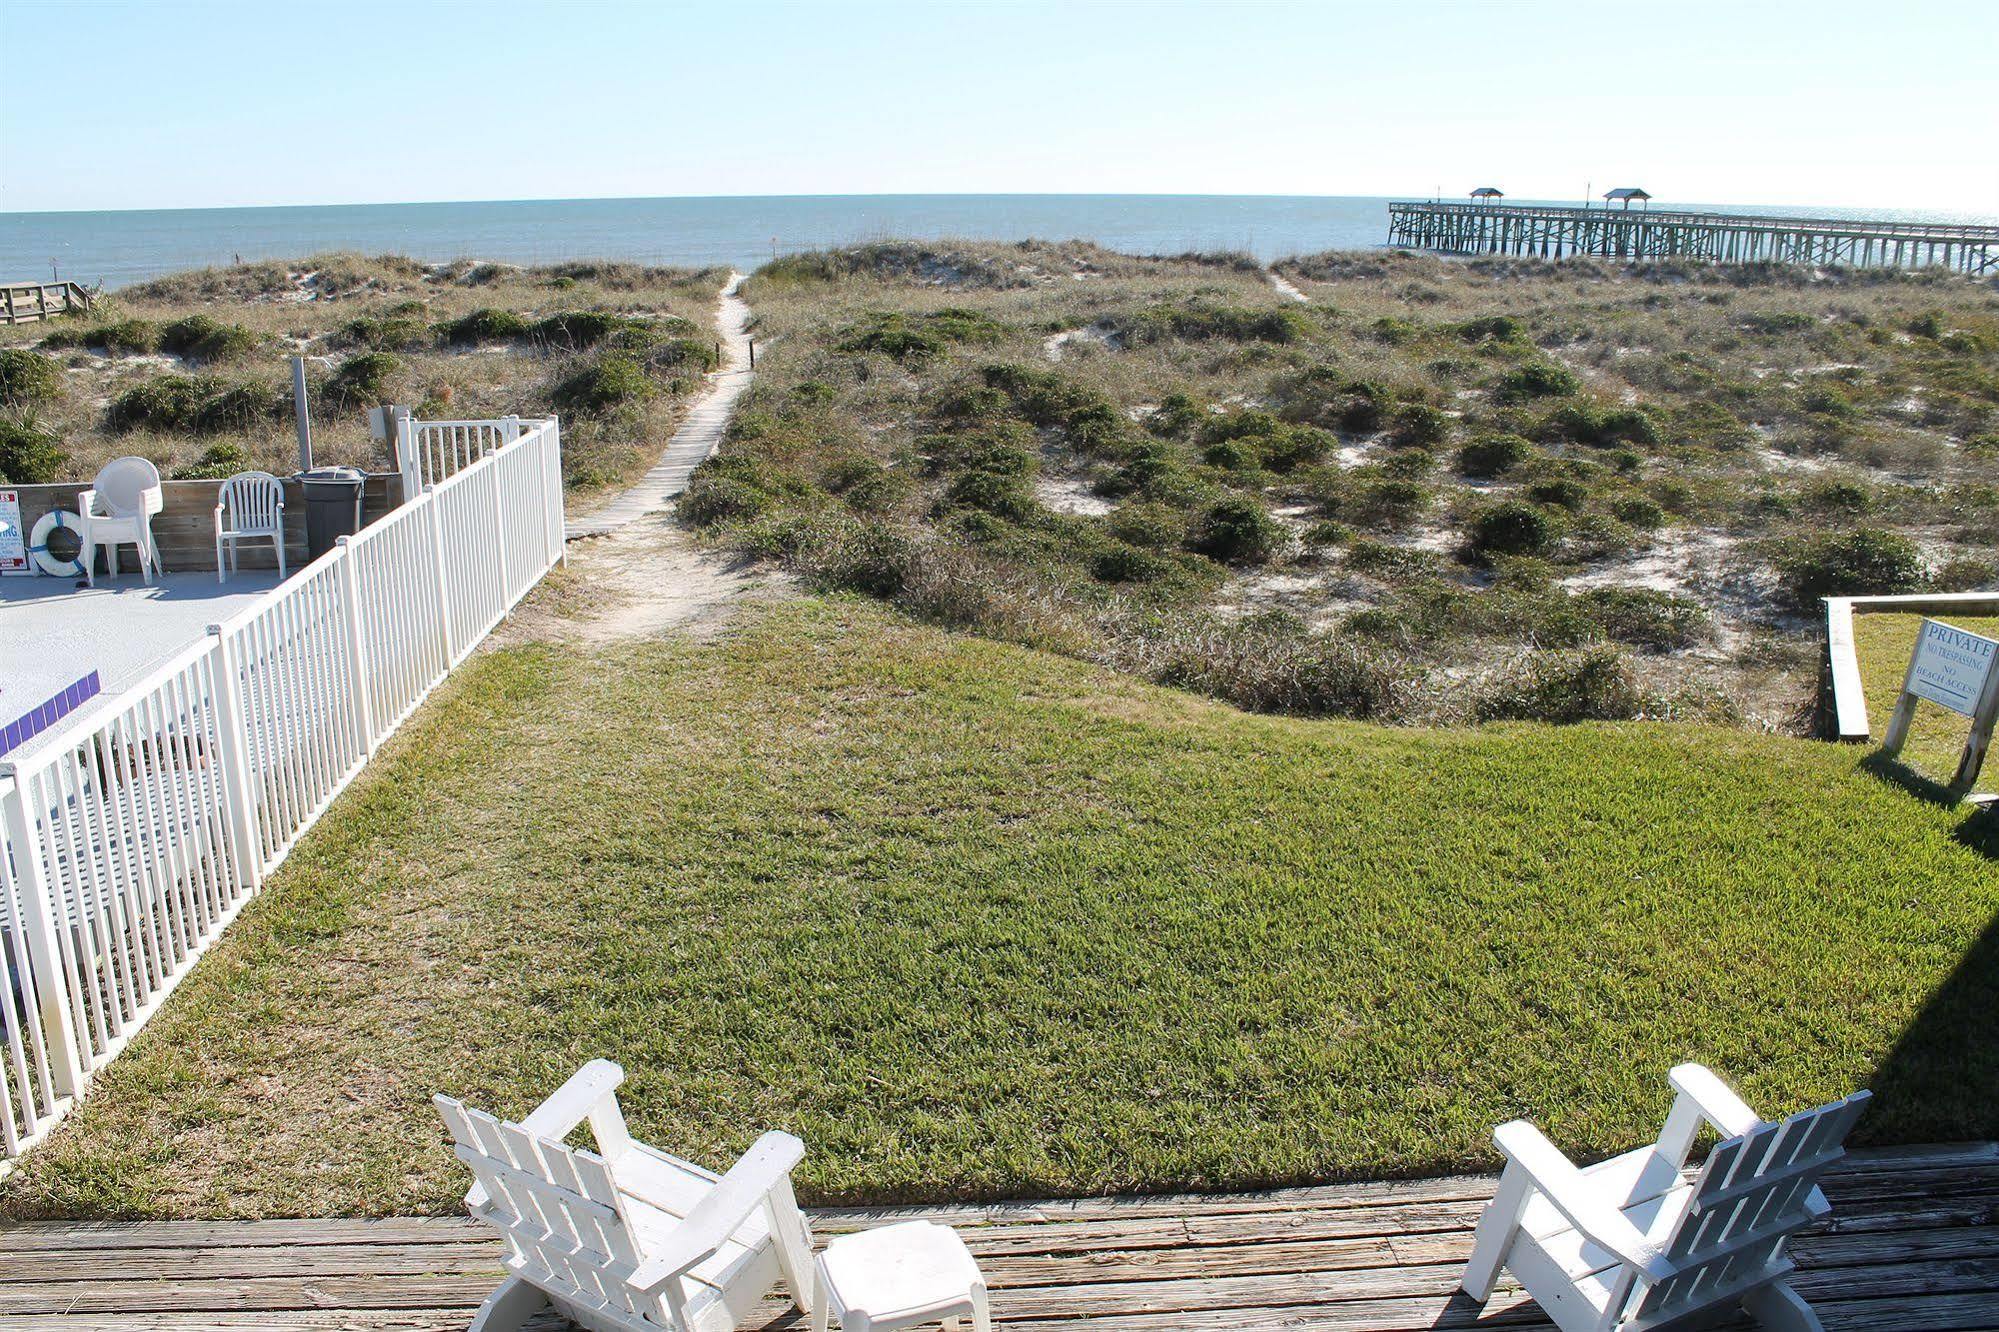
1897 733
302 409
1980 739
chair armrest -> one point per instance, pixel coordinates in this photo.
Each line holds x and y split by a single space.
709 1224
1720 1106
573 1101
86 504
1558 1180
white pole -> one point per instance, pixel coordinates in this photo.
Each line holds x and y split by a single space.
31 888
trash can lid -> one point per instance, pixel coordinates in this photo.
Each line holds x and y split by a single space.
334 474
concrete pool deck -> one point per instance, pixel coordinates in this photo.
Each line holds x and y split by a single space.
54 631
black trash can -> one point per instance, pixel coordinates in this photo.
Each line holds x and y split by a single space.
332 506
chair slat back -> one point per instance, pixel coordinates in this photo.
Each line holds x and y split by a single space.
252 501
1753 1194
124 482
555 1206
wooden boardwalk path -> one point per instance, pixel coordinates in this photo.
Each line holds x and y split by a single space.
1913 1245
698 434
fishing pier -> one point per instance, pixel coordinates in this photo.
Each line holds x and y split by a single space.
1727 238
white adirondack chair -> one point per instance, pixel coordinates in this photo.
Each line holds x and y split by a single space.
118 510
627 1238
1630 1244
250 506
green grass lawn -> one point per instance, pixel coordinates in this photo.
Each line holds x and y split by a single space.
976 921
1882 643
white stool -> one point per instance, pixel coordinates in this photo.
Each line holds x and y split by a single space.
899 1276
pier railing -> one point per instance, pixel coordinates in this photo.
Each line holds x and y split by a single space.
1557 233
25 302
130 840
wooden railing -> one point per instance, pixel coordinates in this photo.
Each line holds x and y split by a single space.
25 302
130 839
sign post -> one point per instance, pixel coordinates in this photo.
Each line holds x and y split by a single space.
13 540
1959 670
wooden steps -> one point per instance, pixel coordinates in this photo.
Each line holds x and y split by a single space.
1913 1245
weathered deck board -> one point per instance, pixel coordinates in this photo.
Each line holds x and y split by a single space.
1913 1247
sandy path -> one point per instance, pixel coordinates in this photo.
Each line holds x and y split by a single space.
698 434
1277 281
640 574
645 578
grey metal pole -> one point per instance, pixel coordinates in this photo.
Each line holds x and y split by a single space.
303 410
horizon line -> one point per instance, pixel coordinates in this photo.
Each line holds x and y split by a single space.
1425 196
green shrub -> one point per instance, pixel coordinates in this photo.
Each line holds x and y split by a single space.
1142 523
1380 500
1386 560
363 379
614 379
239 407
386 334
1198 321
710 499
1966 574
1589 423
124 337
217 460
1328 533
482 326
1491 328
1537 379
28 456
918 337
1273 664
872 558
1236 530
1839 496
28 378
1639 511
197 337
1514 528
1417 424
1591 685
1000 494
1644 617
1493 455
680 353
1778 321
1863 562
169 403
1128 564
579 330
1561 492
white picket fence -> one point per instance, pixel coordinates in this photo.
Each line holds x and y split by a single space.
129 842
428 452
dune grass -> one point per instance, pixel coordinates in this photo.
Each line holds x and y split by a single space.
1882 644
975 920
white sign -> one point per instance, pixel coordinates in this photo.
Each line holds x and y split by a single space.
13 541
1950 666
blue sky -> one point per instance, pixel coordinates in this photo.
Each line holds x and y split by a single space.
223 104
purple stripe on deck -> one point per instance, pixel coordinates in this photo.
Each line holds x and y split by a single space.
44 715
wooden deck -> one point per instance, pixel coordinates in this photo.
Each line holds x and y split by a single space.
1913 1244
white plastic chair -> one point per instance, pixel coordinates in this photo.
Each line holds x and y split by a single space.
118 510
1630 1244
627 1238
249 507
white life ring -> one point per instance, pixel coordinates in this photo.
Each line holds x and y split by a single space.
38 544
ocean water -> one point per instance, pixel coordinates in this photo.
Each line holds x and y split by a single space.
117 248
